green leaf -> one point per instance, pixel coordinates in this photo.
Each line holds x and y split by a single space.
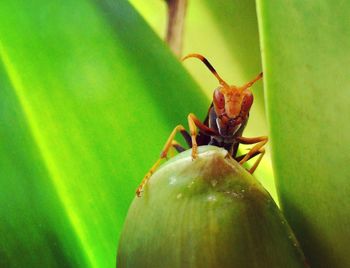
88 96
306 56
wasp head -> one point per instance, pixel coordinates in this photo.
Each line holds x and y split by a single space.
231 104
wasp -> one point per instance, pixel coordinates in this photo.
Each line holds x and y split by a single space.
223 125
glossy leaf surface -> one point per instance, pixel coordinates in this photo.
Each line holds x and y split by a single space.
89 95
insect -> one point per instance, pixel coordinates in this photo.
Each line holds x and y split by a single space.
223 126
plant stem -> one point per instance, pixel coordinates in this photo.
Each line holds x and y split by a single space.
175 28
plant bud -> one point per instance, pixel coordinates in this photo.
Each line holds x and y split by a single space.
206 212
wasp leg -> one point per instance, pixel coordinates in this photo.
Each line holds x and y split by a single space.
193 123
261 153
169 143
257 162
257 149
178 147
187 137
240 157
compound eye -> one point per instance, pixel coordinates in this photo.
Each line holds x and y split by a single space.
247 102
219 99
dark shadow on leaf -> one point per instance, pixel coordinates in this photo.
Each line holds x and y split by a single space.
310 240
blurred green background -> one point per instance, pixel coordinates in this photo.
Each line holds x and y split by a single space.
89 94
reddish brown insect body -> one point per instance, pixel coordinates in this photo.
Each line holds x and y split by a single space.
223 126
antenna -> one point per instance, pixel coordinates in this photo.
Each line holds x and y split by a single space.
210 67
